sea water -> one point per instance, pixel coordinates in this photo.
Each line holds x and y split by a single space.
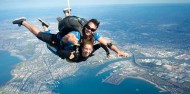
7 63
89 83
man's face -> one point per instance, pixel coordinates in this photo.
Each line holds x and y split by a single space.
87 50
90 29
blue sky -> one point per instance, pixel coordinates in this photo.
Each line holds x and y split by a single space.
52 3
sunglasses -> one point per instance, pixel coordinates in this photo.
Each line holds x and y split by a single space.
89 28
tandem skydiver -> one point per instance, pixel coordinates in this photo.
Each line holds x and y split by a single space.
87 31
78 57
64 49
73 23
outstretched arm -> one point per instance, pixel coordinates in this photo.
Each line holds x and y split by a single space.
70 56
112 47
66 54
97 46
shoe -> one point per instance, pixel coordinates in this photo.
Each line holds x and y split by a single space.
43 22
19 21
59 19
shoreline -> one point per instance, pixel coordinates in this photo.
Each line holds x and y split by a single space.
162 89
12 53
9 56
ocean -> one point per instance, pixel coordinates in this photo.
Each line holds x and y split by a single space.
147 25
7 63
89 83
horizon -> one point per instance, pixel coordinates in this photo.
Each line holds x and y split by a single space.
19 4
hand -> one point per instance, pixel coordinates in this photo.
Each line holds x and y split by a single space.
122 54
75 41
72 55
70 38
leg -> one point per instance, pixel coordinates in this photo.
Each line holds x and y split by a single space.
45 25
48 38
31 28
51 39
45 28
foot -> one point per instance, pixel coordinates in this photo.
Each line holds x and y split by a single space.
43 22
59 19
19 21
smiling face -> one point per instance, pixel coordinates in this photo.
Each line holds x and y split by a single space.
90 28
87 50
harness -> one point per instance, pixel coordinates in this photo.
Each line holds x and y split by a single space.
68 24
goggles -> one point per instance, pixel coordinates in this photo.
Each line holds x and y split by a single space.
89 28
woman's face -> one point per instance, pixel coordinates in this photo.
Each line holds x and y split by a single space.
90 29
87 50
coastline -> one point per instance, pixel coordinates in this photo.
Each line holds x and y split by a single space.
162 89
8 62
14 53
